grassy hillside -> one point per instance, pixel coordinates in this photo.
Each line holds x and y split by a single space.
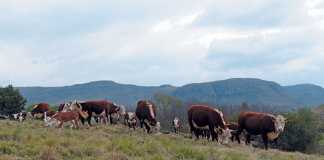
30 140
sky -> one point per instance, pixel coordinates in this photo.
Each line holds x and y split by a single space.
145 42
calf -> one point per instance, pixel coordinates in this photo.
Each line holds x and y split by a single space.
130 119
70 116
176 125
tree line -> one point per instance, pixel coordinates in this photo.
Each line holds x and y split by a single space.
303 131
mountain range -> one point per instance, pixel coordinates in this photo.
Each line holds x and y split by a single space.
224 92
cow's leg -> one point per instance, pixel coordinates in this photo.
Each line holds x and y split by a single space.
89 118
141 122
196 132
77 123
110 119
208 135
232 136
147 127
265 141
275 141
82 120
238 133
60 125
247 139
213 133
134 126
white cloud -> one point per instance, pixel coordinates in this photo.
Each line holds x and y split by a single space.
63 42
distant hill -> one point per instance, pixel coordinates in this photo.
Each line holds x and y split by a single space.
236 91
231 91
120 93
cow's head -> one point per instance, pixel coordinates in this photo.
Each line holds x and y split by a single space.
176 122
280 122
225 134
121 110
152 116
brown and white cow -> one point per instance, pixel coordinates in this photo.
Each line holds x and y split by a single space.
39 109
73 115
99 107
176 125
264 124
201 117
130 119
146 111
21 116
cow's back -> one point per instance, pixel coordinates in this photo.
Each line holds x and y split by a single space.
256 123
203 115
95 106
40 108
199 115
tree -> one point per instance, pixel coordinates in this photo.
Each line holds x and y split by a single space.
11 101
169 107
301 132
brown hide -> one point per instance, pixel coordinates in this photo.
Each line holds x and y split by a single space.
255 123
40 108
143 113
200 116
98 107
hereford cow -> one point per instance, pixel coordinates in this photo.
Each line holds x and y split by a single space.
266 125
130 119
201 117
73 116
146 110
40 109
176 125
99 107
21 116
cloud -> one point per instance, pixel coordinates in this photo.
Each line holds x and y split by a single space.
152 43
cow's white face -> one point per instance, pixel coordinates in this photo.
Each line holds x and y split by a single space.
176 122
280 123
225 135
131 115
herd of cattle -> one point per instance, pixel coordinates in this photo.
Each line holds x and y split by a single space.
204 121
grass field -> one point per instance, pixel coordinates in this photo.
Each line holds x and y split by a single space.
29 140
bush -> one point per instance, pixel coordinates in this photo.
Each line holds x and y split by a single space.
301 131
11 101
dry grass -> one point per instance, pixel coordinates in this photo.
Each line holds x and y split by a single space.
30 140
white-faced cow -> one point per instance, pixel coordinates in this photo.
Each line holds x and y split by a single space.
201 116
176 125
266 125
146 111
130 119
99 107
